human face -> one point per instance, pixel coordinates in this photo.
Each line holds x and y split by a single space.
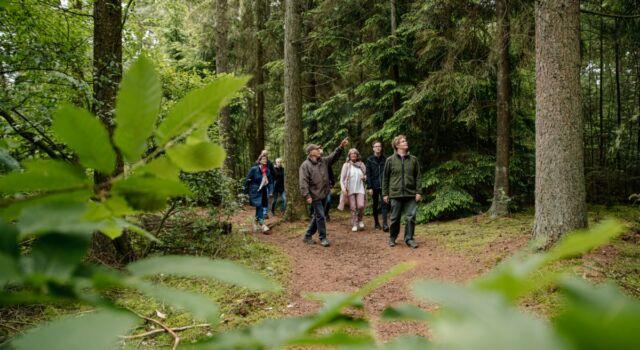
403 145
278 162
263 160
377 148
316 153
353 156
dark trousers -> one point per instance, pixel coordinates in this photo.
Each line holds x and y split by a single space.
327 204
379 205
317 219
409 206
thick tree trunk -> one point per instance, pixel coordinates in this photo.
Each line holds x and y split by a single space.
222 66
293 108
107 73
500 205
395 70
259 75
560 187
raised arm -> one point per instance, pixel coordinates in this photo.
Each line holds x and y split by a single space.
331 158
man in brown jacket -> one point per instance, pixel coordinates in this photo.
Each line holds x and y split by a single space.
314 187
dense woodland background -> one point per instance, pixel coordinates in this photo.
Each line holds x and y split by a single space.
369 70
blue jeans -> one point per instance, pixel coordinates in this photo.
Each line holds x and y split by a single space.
283 201
260 214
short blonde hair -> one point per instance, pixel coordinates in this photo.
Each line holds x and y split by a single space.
396 141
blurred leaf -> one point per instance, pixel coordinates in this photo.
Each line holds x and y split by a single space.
7 162
150 185
583 241
13 211
61 217
335 338
598 317
199 108
43 175
197 156
57 255
160 167
408 342
406 312
137 107
189 266
98 330
9 270
197 305
483 320
9 240
85 135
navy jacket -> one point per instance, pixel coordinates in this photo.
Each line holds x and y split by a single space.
252 183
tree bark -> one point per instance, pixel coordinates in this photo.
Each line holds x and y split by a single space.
560 187
222 66
293 108
618 101
107 73
259 75
395 70
500 205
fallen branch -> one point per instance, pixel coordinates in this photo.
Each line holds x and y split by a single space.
176 338
156 331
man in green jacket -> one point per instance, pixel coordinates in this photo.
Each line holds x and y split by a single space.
401 188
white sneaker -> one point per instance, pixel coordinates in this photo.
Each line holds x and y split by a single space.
361 225
265 228
354 228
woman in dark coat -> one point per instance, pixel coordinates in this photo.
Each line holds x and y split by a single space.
278 188
256 185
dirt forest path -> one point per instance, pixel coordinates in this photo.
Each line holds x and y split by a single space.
355 258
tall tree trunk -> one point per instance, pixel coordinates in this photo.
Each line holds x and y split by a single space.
259 74
222 66
500 205
107 73
395 70
293 108
618 102
601 93
560 187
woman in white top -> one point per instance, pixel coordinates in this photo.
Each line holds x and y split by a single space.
352 180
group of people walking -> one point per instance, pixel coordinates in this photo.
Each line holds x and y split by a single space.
392 183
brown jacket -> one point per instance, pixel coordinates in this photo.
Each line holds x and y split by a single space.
314 176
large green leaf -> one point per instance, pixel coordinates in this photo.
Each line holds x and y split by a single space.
199 108
598 317
9 270
408 342
150 185
197 305
482 320
160 167
196 157
190 266
44 175
86 136
97 330
9 240
405 312
57 255
137 107
61 217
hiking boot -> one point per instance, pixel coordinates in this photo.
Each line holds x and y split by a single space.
377 226
392 242
385 227
411 243
361 225
354 228
308 240
325 242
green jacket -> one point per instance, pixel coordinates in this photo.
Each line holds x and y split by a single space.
401 177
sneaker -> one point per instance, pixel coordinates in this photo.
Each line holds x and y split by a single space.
308 240
385 227
411 243
354 228
392 242
325 243
361 225
265 229
377 226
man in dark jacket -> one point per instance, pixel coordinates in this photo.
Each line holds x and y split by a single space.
375 168
401 188
314 187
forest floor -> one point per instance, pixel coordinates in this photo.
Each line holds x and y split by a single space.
454 251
